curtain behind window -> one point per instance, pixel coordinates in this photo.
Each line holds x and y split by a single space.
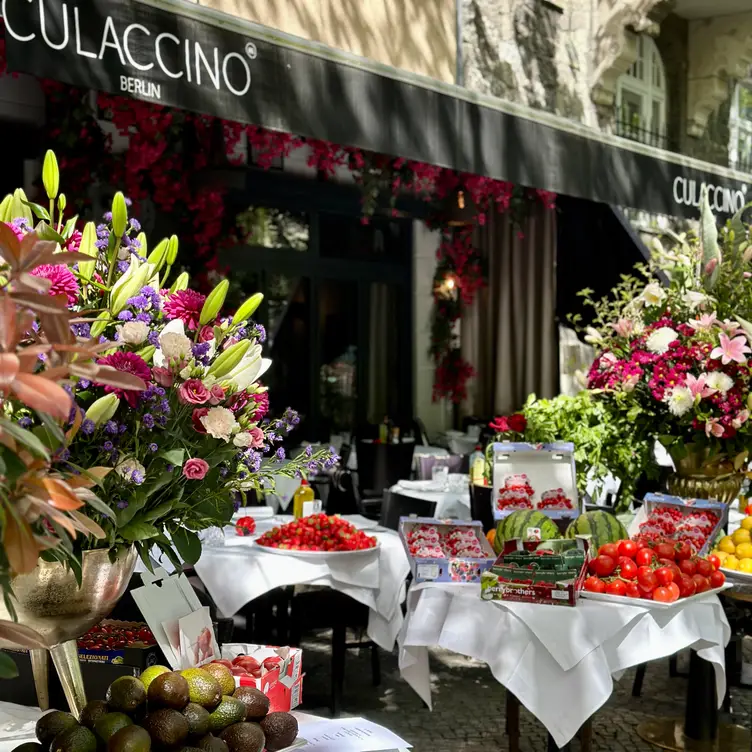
509 334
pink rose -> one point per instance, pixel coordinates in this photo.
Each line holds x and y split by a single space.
207 334
193 392
162 376
217 395
257 436
195 469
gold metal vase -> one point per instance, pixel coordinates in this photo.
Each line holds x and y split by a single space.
702 476
49 600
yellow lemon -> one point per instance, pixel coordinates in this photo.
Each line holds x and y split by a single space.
747 523
720 554
745 565
731 562
741 536
744 551
727 545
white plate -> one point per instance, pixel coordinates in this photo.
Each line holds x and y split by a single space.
297 744
736 576
315 554
624 601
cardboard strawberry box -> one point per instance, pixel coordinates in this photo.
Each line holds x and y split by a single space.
129 643
548 572
276 671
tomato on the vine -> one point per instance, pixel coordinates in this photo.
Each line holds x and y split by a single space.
609 549
633 590
604 565
627 548
646 578
664 576
702 583
687 586
674 590
688 566
662 595
717 579
683 551
595 585
665 551
616 587
627 568
715 561
644 557
704 567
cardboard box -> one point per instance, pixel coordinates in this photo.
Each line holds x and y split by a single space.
687 508
137 654
283 685
528 473
446 569
524 575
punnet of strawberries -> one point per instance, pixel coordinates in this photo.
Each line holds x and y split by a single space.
114 636
666 522
318 532
662 571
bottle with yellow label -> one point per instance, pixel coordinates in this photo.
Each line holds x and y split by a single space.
300 497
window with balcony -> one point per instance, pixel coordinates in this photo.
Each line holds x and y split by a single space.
641 97
740 128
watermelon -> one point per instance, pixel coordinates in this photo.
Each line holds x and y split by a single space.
516 525
601 526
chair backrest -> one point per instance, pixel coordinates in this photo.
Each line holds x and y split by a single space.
342 493
421 435
395 506
427 464
380 466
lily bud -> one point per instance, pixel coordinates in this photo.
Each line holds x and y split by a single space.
61 203
50 175
120 297
158 256
5 213
88 238
119 214
147 353
247 309
172 250
141 237
100 324
214 302
103 409
229 359
181 283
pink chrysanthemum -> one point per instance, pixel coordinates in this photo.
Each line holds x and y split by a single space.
185 305
262 405
62 278
74 242
127 362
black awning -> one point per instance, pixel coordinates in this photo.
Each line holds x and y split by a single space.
199 60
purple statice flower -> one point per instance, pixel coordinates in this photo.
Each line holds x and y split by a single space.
84 383
21 224
81 330
162 420
88 427
253 460
111 427
201 349
169 468
138 301
164 406
280 454
122 266
291 417
143 316
148 420
313 466
125 316
137 477
25 422
63 455
308 451
122 505
272 437
108 446
237 499
242 475
259 332
153 338
159 391
135 225
223 472
331 462
122 428
107 216
153 447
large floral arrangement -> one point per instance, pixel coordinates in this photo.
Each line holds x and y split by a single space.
186 430
674 345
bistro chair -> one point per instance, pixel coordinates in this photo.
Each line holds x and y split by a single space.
395 506
380 466
426 464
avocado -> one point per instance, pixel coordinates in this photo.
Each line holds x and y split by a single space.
130 739
255 701
204 689
126 694
93 712
166 727
51 724
280 730
110 724
74 739
229 711
198 719
244 737
223 675
148 675
30 747
210 743
169 690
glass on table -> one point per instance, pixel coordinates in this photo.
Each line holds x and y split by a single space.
440 475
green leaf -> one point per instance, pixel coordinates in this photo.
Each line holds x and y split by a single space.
187 544
46 232
164 480
96 503
160 510
52 427
12 466
138 531
135 505
70 225
39 211
8 668
164 546
143 552
45 437
174 457
27 438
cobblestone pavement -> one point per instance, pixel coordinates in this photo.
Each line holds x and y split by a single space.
468 713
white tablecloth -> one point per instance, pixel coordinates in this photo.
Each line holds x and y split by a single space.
554 657
237 574
454 504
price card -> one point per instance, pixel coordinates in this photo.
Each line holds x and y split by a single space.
428 571
534 534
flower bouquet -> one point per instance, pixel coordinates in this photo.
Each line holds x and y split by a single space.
182 429
674 345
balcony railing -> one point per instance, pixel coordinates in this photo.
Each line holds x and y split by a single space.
631 127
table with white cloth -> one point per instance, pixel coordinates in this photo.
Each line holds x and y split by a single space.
554 657
240 571
449 503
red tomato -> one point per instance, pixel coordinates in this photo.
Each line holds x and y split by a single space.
633 590
665 551
687 586
609 549
704 567
688 566
683 551
673 566
646 578
715 561
664 576
604 565
643 557
662 595
702 583
627 548
627 568
717 579
595 585
675 591
616 587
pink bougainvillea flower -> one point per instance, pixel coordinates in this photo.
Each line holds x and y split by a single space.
185 305
714 428
127 362
195 469
731 350
705 322
62 280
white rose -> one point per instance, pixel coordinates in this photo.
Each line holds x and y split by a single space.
133 332
653 294
660 339
220 423
174 345
130 467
